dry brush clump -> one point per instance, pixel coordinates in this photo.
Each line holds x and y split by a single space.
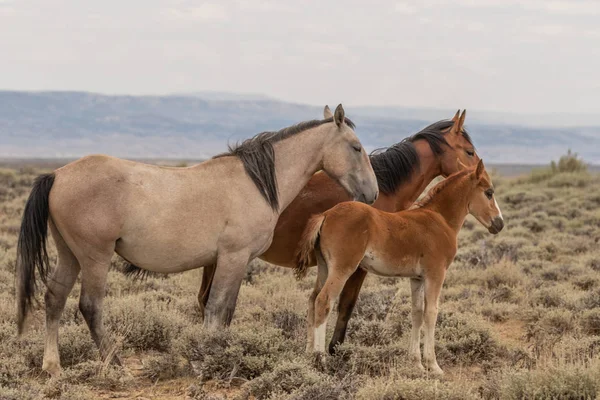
519 318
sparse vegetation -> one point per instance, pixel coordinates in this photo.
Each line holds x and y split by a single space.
519 318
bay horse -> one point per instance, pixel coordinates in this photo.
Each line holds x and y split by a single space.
403 171
159 219
419 244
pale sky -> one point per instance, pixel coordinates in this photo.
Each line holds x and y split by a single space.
499 55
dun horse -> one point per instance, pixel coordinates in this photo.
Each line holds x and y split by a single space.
222 211
418 243
403 171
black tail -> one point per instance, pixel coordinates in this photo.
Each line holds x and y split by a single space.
31 249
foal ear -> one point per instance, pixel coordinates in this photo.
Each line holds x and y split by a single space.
339 116
327 112
459 165
455 118
479 170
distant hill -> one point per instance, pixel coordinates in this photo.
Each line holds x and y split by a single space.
195 126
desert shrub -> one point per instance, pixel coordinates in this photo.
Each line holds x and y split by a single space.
25 391
370 333
374 304
327 389
464 338
350 359
165 366
143 324
564 382
285 378
591 299
501 274
590 321
289 321
569 179
569 165
415 389
224 354
95 374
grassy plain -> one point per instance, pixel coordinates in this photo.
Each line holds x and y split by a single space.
519 319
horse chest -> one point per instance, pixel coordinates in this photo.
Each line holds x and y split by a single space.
383 266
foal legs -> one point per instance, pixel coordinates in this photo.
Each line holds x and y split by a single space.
93 288
324 301
418 307
208 273
346 305
321 277
433 287
59 286
225 288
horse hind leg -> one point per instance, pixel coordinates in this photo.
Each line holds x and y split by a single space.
208 274
321 278
94 273
348 299
60 285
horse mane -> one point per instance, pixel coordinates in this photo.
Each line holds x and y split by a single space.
431 194
258 156
395 164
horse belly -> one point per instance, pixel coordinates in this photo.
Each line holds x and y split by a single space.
168 252
378 264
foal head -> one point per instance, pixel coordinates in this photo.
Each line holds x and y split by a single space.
460 146
482 203
346 161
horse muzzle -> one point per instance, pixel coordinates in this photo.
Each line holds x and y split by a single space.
497 225
367 198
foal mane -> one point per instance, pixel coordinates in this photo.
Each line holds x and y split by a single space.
258 156
395 164
431 194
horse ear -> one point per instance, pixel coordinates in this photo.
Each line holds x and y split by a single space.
339 116
327 112
479 170
459 165
455 118
457 128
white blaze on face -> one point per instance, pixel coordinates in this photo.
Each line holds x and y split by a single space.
498 207
320 337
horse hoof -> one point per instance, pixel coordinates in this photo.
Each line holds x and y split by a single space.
436 371
53 369
319 360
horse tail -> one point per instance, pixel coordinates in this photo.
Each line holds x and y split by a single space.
32 253
308 242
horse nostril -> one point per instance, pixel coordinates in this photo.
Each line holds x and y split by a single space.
498 223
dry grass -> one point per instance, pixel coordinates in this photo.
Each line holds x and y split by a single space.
520 319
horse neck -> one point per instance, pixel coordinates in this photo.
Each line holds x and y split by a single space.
451 202
430 166
297 158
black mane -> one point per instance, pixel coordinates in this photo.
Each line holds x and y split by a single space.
395 164
258 156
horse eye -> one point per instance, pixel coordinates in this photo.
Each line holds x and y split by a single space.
357 147
489 193
470 153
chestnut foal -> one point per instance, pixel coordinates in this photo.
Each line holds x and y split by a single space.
419 243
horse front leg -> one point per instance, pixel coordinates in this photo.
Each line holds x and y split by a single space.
348 299
224 290
433 287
